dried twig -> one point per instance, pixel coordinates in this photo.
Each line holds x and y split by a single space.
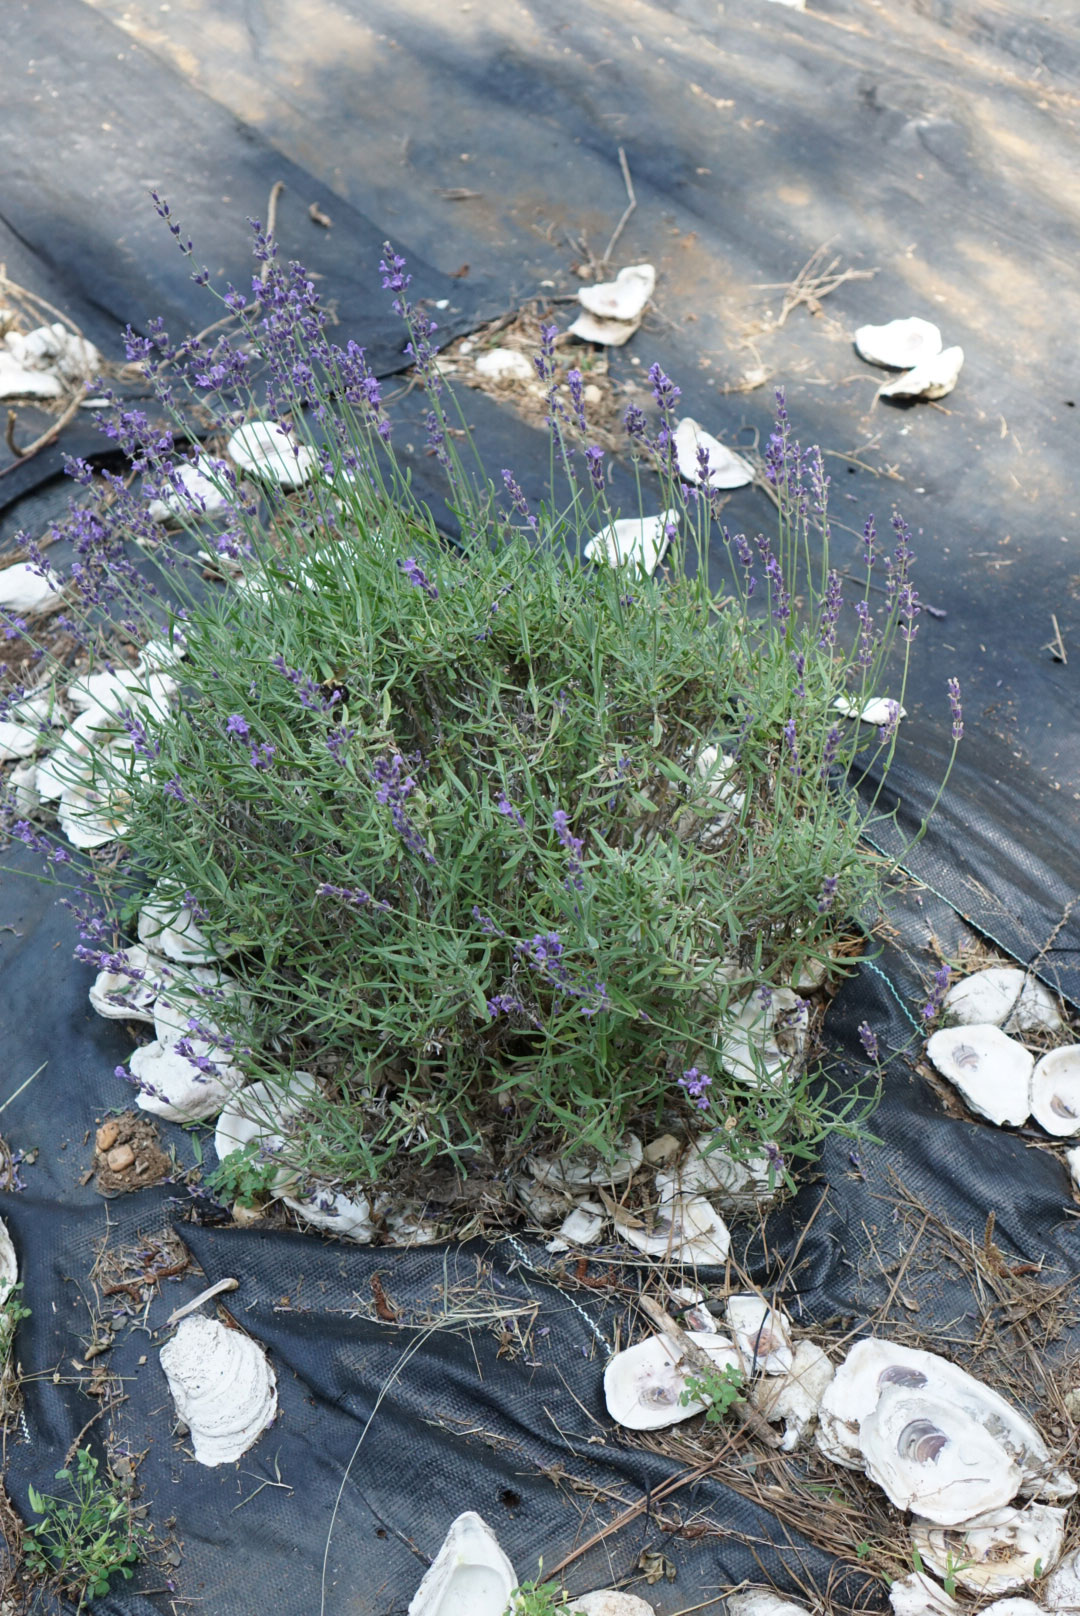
46 437
630 206
813 282
1056 646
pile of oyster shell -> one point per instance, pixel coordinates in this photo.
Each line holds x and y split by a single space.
982 1054
985 1495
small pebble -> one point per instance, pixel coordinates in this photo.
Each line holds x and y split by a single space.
107 1135
119 1158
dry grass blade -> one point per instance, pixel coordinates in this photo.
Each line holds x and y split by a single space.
815 280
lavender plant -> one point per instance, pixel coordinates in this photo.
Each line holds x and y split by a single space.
511 850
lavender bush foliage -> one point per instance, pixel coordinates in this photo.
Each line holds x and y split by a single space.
449 812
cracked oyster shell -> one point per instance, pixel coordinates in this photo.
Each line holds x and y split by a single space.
119 996
265 450
899 344
624 298
795 1396
1002 996
761 1334
919 1595
725 469
685 1229
470 1575
995 1552
223 1386
1012 1607
732 1186
991 1070
878 710
643 1385
1055 1091
581 1227
874 1365
635 542
932 1457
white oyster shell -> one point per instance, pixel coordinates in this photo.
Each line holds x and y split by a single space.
1003 996
121 996
624 298
995 1552
1061 1590
199 489
686 1229
795 1397
873 1366
733 1186
223 1387
932 378
1055 1091
19 741
919 1595
166 926
878 710
1013 1607
635 542
930 1456
269 452
581 1227
578 1171
22 783
991 1070
725 468
172 1087
505 365
762 1602
260 1114
54 348
717 769
762 1334
338 1213
605 333
24 593
1072 1161
899 344
470 1575
91 818
610 1602
18 382
9 1263
643 1385
72 760
761 1044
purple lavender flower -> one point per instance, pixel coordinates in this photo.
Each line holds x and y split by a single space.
545 359
173 788
355 897
830 610
932 1007
827 895
573 844
869 536
695 1083
507 809
392 791
774 1158
665 392
337 740
235 724
868 635
635 423
887 730
416 575
504 1004
518 500
594 459
830 749
957 710
263 756
792 744
868 1039
392 268
577 396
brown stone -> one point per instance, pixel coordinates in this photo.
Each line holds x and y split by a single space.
107 1135
120 1158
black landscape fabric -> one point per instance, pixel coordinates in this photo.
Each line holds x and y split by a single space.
929 142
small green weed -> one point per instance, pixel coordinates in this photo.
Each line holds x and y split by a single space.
720 1390
242 1176
83 1540
536 1599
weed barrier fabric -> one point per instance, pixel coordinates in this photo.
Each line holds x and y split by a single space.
883 129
